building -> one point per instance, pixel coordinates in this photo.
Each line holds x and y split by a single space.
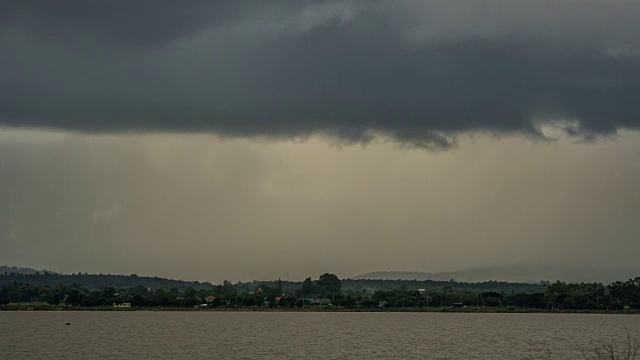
323 301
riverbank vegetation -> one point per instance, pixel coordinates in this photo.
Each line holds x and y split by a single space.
327 293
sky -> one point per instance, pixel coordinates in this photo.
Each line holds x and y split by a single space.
215 140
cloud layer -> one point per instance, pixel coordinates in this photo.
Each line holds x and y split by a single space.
421 72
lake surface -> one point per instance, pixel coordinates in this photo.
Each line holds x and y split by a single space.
262 335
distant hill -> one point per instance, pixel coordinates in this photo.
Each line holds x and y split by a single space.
520 273
22 270
399 275
98 281
371 285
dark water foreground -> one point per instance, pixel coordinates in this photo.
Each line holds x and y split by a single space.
263 335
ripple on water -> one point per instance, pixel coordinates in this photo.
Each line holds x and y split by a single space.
255 335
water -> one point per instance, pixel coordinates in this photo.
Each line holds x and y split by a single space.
262 335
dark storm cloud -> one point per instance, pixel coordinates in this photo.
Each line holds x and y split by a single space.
418 71
137 23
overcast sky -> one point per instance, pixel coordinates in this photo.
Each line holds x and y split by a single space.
245 140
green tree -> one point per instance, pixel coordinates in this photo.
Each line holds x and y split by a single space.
329 284
108 295
54 299
308 289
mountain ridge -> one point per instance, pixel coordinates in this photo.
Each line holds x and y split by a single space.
530 273
23 270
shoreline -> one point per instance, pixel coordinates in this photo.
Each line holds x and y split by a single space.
23 307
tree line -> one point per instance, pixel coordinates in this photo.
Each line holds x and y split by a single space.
559 295
96 281
99 281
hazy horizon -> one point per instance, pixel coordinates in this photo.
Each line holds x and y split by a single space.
208 208
515 273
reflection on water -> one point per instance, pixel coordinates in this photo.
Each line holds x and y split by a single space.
238 335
